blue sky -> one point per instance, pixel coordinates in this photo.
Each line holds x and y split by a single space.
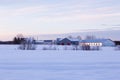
56 16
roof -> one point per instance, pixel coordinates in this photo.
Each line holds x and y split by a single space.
71 39
40 41
59 39
48 40
74 39
96 40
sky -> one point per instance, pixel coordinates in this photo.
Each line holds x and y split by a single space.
29 17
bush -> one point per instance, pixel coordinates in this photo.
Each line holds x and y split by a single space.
95 48
87 47
44 48
49 48
117 47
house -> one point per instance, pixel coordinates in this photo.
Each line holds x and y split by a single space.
97 42
67 41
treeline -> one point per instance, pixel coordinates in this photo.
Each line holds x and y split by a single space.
16 40
6 42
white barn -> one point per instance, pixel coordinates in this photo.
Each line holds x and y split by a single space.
97 42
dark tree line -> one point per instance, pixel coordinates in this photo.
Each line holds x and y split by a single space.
18 40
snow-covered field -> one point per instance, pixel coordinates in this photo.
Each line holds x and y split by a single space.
58 64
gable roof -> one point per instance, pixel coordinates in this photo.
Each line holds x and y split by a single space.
73 39
70 39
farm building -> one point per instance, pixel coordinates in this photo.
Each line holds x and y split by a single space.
67 41
48 41
97 42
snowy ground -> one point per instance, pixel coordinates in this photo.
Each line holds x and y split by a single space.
58 64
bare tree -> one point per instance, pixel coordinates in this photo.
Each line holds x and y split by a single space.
70 37
90 37
18 39
79 37
117 47
28 44
20 36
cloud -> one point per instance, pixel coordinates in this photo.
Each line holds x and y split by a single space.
76 17
29 10
111 25
22 10
62 12
78 13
